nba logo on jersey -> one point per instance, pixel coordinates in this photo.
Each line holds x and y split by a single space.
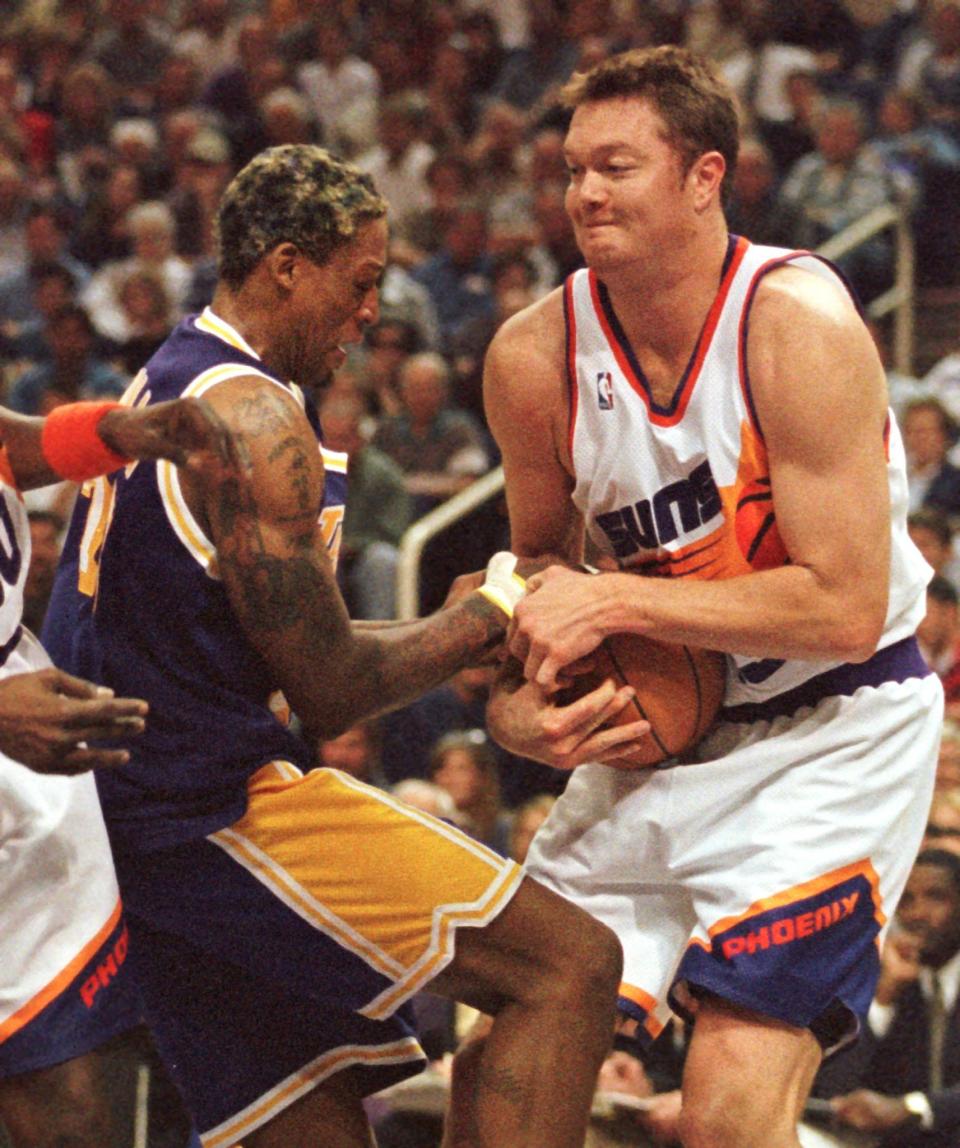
605 390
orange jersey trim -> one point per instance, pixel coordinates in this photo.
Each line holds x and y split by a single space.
27 1012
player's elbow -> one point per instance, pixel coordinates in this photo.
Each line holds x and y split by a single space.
858 634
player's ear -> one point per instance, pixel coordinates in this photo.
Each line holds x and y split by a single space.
705 178
283 263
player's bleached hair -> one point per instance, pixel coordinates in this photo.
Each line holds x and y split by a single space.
697 107
296 193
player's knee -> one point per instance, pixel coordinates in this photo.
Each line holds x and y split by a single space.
590 963
708 1125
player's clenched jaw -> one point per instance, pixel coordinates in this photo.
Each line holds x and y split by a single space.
626 196
331 304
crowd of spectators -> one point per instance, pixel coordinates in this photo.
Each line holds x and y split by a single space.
121 122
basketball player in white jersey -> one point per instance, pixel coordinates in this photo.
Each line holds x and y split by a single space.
71 1037
714 413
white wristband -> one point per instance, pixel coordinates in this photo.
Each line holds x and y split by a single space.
502 585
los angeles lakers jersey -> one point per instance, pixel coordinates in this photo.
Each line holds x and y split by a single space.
139 606
683 490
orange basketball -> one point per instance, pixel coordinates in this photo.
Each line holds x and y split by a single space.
679 690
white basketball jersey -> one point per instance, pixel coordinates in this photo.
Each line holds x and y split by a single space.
684 490
14 560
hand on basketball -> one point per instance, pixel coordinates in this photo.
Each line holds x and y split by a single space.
556 623
529 722
46 718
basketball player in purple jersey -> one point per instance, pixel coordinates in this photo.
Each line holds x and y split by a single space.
76 1063
656 401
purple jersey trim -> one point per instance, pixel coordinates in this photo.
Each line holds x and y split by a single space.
898 662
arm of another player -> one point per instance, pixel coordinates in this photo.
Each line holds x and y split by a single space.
83 440
821 401
44 716
281 584
526 407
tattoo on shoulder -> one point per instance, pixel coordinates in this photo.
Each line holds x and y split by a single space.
265 413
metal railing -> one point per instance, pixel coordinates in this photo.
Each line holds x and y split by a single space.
898 299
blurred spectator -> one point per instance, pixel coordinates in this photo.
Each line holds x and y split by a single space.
342 88
555 254
716 28
14 207
943 380
948 761
378 511
73 372
28 341
83 126
130 51
526 821
939 635
45 530
452 106
45 234
235 92
152 231
943 826
449 180
208 37
178 86
545 62
928 434
463 763
909 141
102 233
287 118
135 141
439 450
428 797
932 534
498 157
399 161
835 185
931 68
199 181
356 752
388 344
148 318
457 276
755 210
903 1079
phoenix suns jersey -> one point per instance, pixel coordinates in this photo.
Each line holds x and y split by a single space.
139 606
14 559
684 490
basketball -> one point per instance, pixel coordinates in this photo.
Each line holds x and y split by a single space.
679 691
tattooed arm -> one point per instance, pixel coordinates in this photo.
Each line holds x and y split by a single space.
281 584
